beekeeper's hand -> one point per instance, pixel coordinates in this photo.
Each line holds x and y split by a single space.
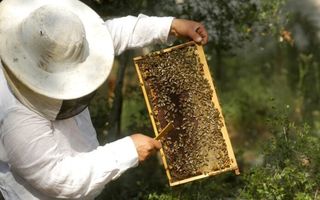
189 29
145 146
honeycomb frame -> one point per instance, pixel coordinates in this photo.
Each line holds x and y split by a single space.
149 95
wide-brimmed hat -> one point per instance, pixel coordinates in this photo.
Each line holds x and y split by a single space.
57 48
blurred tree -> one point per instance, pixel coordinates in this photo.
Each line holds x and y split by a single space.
303 67
116 109
229 23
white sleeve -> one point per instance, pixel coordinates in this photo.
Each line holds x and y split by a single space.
35 155
132 32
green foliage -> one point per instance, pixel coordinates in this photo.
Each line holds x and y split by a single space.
286 183
228 22
272 16
291 168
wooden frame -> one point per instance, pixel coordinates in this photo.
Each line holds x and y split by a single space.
207 75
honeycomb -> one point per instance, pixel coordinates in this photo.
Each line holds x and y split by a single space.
178 91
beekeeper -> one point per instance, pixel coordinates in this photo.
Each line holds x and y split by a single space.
54 55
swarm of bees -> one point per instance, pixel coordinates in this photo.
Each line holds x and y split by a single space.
179 93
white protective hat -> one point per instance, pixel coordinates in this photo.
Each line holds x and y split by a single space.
54 52
57 48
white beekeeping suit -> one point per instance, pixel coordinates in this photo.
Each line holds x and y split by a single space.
47 67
